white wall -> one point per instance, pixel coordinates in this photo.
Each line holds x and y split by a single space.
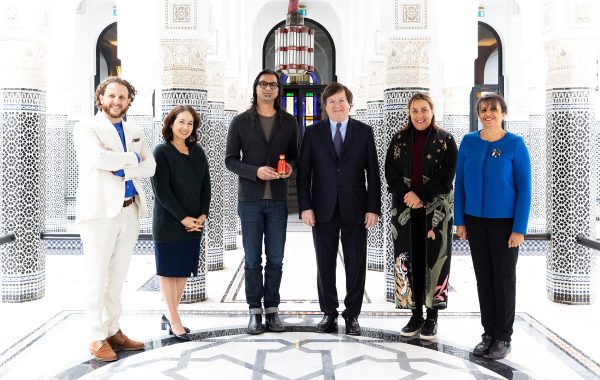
88 26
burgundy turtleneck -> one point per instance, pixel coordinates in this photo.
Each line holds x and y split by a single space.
416 164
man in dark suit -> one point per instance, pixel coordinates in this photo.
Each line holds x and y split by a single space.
339 191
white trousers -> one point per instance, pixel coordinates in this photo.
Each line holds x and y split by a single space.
107 248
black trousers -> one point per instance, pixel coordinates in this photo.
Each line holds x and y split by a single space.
418 231
495 270
326 237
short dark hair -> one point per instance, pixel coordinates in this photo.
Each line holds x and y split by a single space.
167 128
332 89
102 88
490 99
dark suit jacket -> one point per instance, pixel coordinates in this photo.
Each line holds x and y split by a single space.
352 181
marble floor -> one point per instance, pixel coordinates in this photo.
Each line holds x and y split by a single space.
46 339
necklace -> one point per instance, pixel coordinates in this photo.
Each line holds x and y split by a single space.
181 149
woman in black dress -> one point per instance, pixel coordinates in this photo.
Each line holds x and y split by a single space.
181 202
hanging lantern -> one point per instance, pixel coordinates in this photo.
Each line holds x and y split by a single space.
294 44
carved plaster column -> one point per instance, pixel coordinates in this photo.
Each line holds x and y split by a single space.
23 26
184 83
570 28
407 72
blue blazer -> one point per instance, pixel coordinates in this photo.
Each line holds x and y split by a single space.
493 180
352 181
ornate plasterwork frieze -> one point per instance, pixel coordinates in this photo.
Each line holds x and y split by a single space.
410 14
408 63
181 14
571 63
184 63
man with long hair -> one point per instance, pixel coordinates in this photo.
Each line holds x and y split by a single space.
256 139
112 156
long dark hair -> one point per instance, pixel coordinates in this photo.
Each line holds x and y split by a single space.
167 128
277 104
421 96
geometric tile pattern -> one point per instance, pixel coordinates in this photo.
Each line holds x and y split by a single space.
146 124
195 290
301 353
22 179
536 144
72 175
375 236
230 196
395 116
54 193
304 354
212 138
570 276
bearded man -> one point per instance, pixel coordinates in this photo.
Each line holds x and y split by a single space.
111 156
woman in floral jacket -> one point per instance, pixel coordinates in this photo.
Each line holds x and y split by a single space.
419 168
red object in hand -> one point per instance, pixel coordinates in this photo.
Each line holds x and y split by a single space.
282 165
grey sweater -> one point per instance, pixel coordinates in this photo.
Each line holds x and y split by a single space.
181 188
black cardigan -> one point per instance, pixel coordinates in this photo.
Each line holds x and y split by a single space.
247 150
438 165
181 186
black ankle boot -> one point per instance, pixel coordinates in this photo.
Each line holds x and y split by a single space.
255 324
274 323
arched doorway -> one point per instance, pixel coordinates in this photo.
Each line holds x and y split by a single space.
107 63
488 71
302 95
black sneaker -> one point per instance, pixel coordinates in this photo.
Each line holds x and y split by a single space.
413 327
429 330
483 347
498 350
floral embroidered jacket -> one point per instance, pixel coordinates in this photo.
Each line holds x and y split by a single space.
438 169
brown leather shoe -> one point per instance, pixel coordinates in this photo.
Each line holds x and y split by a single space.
102 350
120 341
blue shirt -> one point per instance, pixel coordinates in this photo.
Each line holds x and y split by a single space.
493 180
129 187
333 126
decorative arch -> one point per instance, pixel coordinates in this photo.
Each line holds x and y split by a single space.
107 61
325 57
489 51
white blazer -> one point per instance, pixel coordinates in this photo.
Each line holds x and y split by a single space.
99 150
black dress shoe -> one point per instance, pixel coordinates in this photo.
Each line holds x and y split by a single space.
255 324
498 350
273 322
352 326
165 324
327 324
185 337
483 347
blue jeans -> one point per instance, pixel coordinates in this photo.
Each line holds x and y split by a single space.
266 218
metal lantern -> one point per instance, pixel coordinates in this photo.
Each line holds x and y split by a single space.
294 44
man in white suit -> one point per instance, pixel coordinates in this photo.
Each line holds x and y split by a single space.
112 156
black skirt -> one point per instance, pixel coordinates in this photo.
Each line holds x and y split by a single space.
177 258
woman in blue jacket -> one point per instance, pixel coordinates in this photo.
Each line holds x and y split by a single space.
492 201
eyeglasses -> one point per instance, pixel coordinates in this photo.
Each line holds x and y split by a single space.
272 85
